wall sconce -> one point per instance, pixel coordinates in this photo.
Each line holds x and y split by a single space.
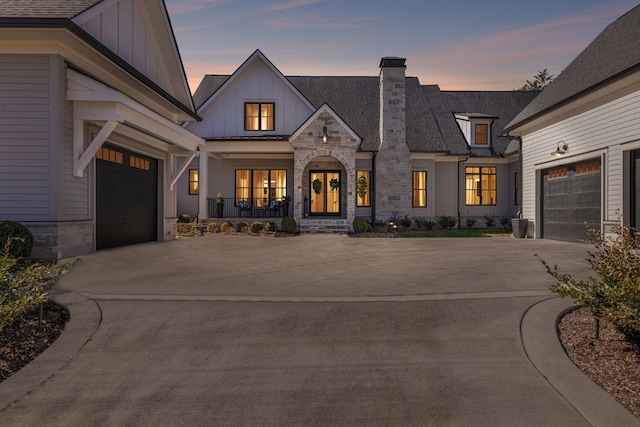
561 149
325 136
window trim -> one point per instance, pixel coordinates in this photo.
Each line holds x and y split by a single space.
260 104
479 189
251 197
415 189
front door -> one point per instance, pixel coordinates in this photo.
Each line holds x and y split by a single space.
325 192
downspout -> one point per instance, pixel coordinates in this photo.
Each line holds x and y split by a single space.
458 189
520 166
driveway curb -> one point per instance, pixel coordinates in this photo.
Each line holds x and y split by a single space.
85 318
541 343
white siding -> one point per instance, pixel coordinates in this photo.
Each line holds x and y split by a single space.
24 138
258 83
502 200
602 130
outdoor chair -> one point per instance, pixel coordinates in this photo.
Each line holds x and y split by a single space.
274 208
244 206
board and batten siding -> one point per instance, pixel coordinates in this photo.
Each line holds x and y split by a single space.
24 138
258 83
605 131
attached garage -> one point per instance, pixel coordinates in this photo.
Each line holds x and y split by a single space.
571 196
126 197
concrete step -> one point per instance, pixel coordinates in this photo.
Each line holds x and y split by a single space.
331 226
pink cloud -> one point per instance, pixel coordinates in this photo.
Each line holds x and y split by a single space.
291 4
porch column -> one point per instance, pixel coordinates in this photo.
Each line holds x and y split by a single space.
203 178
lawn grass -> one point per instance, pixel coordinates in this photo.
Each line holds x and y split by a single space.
463 232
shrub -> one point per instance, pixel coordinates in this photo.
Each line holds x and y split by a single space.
406 221
20 236
380 226
242 227
489 221
213 227
288 225
360 225
187 228
471 221
271 226
257 227
226 227
23 289
429 224
613 293
183 219
505 221
446 222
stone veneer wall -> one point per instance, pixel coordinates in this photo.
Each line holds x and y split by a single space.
308 147
58 240
393 180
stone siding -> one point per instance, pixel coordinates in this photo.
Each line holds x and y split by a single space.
58 240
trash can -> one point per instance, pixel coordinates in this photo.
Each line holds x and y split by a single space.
519 227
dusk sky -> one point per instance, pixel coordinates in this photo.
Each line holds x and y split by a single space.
459 45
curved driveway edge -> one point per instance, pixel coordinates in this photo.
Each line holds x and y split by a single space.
85 317
541 343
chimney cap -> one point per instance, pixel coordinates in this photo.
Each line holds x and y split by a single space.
392 61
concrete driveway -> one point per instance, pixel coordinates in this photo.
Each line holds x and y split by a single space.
312 330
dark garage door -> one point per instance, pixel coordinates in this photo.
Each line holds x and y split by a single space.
126 197
571 196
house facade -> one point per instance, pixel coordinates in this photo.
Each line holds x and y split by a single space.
581 140
93 96
381 147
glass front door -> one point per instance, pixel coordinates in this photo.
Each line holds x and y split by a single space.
325 193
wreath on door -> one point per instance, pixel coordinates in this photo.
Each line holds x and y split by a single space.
317 186
334 184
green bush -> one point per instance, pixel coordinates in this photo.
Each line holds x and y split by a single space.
505 221
213 227
23 289
406 221
183 219
242 227
360 225
613 293
226 227
257 227
271 227
489 221
446 222
471 221
22 239
288 225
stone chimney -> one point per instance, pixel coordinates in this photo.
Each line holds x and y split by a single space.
393 160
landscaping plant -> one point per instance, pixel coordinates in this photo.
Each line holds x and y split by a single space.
257 227
360 225
489 221
23 289
471 221
288 225
20 236
446 222
613 293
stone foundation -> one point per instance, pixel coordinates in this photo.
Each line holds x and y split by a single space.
58 240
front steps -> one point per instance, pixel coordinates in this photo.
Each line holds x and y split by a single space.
324 225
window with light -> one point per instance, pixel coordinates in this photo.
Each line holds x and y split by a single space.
363 188
259 116
193 181
481 188
419 189
482 134
260 187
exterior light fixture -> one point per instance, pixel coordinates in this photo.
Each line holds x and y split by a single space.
325 136
561 149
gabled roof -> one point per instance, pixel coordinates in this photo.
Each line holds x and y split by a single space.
45 8
325 108
614 54
502 106
257 55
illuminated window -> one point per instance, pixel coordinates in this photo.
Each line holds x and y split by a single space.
558 173
482 134
259 116
593 166
419 189
260 187
109 155
193 181
138 163
363 188
480 186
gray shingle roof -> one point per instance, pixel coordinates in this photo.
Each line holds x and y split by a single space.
614 53
44 8
504 105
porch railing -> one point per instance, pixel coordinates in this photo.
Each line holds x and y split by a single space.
249 208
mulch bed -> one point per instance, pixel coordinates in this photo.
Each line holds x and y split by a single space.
611 362
25 338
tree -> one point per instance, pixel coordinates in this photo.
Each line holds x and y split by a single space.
540 81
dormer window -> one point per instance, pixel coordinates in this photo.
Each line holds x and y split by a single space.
481 134
259 116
